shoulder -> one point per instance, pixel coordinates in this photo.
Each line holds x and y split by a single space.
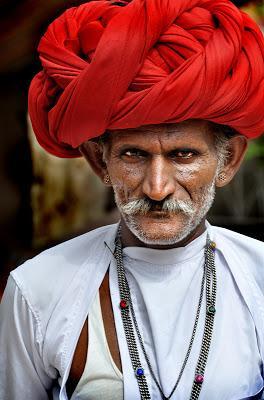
250 247
54 271
241 251
48 296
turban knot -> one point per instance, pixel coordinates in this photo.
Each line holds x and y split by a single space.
110 67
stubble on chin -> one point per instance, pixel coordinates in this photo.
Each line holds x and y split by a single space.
159 236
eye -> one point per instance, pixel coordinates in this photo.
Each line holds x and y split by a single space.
184 154
133 154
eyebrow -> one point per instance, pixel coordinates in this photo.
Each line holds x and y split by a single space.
174 147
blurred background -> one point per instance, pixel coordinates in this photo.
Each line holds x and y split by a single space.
45 200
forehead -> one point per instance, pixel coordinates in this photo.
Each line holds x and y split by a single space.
192 133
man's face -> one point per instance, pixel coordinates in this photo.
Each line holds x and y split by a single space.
163 179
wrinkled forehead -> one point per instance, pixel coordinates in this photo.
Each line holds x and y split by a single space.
189 132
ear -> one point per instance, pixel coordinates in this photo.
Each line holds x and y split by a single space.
93 153
237 150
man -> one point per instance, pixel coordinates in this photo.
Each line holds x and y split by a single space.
160 97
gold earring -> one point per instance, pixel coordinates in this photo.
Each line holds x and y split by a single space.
222 176
107 179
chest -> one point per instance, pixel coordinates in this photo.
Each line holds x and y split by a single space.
234 364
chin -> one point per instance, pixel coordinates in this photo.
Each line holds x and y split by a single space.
156 232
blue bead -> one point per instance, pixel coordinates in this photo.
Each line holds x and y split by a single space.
139 371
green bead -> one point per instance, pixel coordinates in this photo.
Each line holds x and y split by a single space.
211 310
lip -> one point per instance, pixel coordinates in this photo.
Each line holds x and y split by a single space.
157 214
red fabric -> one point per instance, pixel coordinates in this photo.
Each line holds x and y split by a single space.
150 62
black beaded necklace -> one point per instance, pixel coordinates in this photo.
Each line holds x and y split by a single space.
130 324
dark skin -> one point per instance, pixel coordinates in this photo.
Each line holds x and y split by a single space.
166 162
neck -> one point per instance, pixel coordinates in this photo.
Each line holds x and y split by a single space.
130 240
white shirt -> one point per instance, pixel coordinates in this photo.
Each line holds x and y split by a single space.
48 298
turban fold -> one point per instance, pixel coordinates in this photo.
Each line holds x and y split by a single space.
108 67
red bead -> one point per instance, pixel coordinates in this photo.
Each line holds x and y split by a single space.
199 378
123 304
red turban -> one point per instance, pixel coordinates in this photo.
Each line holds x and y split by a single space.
153 61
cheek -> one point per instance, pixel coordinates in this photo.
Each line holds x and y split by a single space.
196 176
124 188
125 178
200 167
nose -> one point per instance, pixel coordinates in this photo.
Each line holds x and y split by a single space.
159 181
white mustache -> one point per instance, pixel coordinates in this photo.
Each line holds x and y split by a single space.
143 206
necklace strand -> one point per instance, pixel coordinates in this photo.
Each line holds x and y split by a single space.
129 319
